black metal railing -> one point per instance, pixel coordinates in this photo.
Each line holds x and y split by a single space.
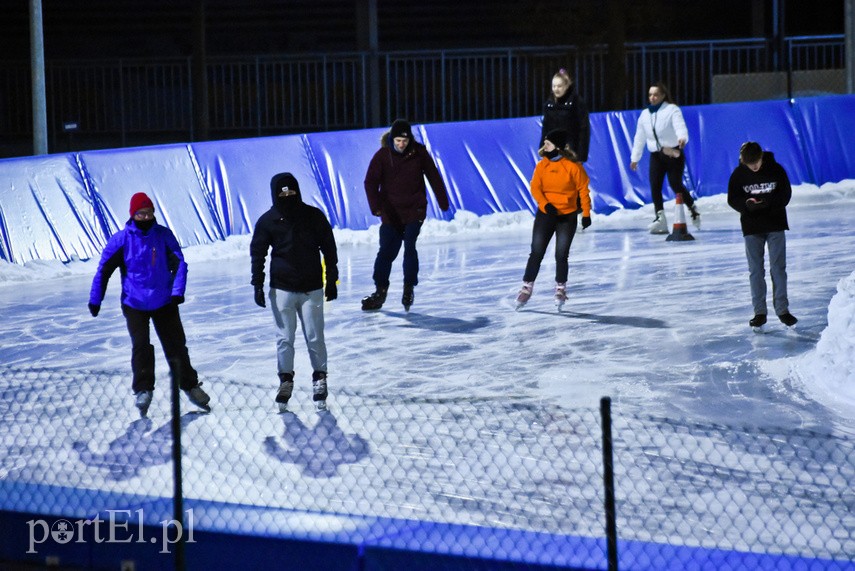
126 102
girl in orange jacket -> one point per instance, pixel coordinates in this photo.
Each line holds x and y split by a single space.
560 187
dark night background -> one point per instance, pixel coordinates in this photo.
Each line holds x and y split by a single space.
154 28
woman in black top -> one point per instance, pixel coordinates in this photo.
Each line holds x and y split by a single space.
566 110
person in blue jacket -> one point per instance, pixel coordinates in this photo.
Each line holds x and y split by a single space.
154 275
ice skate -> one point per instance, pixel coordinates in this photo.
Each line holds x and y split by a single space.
286 387
560 294
375 300
143 401
319 390
199 397
757 322
788 319
660 224
525 294
696 216
408 297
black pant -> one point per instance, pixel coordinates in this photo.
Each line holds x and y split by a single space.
170 331
660 166
545 225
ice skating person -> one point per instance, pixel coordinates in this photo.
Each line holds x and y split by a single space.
395 188
565 109
662 129
296 235
558 185
759 189
154 276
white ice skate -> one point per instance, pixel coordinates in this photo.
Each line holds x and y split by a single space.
660 224
319 390
696 216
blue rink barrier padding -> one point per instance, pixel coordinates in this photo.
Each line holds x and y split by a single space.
257 537
65 207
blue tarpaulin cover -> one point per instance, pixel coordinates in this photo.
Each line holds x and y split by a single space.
62 207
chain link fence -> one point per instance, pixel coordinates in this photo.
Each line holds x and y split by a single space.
507 481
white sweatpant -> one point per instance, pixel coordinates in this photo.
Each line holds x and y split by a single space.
287 306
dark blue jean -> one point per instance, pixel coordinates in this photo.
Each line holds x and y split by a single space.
545 226
391 238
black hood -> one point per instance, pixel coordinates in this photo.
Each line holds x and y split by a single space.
285 182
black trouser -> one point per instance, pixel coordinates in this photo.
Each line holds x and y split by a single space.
391 238
170 331
545 225
660 166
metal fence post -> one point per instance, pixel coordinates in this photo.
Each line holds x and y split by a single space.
178 494
609 483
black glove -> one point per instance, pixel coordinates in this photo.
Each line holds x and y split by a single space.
550 209
94 309
259 296
754 204
330 291
177 299
586 221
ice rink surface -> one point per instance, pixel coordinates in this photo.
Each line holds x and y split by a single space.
660 327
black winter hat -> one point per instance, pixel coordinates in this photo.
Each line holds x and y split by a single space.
400 128
557 137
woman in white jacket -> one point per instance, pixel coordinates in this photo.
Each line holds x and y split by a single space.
662 129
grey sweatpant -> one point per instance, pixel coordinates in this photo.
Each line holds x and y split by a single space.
289 306
755 246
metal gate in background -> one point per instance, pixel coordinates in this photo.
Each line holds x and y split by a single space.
117 103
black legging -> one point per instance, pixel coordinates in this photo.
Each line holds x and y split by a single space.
168 326
545 225
660 166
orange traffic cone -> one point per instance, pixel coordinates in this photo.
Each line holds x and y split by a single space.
679 231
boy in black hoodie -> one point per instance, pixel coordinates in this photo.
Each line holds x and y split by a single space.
759 190
296 234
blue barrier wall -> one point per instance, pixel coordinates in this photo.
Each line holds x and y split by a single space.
64 207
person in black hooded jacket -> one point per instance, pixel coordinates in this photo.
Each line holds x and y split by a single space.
759 189
295 234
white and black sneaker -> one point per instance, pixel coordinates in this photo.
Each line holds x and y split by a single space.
319 390
143 401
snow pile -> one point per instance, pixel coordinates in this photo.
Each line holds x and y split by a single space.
828 372
465 224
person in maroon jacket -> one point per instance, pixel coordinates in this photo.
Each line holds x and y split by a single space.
395 188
